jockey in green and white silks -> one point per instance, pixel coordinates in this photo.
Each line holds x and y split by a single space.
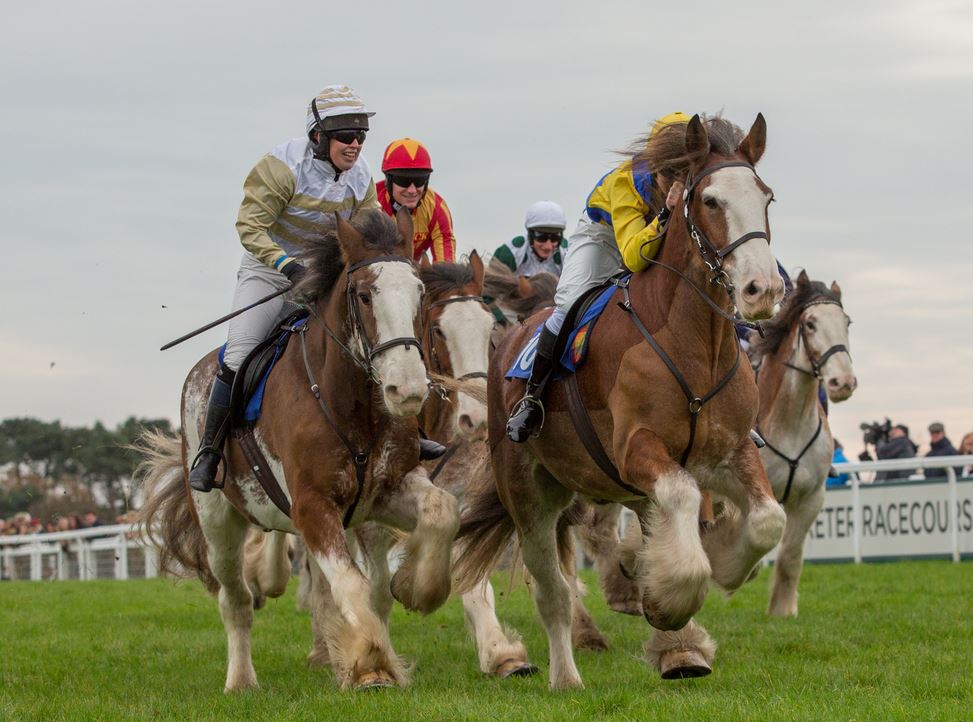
542 249
289 198
619 228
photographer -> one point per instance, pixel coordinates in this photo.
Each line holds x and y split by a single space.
896 446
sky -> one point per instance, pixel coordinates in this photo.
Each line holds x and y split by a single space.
127 129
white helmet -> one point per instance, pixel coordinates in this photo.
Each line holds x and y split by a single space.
545 214
342 105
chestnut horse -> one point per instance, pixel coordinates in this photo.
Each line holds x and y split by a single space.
669 399
804 347
339 431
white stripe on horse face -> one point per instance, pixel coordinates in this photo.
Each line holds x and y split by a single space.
396 291
467 326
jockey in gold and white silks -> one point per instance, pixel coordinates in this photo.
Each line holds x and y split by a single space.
289 198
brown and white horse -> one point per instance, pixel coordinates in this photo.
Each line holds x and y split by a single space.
804 347
339 430
642 411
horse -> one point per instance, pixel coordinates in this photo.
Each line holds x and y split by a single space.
804 347
650 357
338 428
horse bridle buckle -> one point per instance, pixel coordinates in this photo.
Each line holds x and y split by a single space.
695 406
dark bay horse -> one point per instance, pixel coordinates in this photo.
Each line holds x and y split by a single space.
338 428
718 241
804 347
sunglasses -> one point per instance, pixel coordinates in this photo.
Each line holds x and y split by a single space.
347 137
545 237
404 181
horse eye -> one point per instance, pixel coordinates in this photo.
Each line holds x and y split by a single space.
810 326
439 332
365 299
711 203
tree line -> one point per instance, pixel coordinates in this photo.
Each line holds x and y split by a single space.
48 468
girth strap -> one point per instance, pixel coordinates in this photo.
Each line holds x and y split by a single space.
793 463
696 403
261 469
450 452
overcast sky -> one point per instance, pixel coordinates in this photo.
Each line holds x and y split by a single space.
128 128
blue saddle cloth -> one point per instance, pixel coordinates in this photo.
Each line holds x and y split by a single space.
576 348
256 397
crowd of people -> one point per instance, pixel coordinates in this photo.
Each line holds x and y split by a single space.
23 523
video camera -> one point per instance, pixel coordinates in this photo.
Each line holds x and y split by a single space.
874 432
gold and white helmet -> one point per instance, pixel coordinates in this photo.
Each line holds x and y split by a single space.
337 107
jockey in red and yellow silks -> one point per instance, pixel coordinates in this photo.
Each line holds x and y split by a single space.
407 167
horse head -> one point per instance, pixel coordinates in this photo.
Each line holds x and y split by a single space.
456 334
824 335
383 292
725 210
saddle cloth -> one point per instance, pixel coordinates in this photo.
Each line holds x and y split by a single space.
586 312
248 391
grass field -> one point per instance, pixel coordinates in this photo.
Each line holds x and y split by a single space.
890 641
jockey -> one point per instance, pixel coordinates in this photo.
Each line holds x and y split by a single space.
541 250
288 199
622 224
407 167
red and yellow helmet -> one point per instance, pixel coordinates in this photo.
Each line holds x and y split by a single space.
406 154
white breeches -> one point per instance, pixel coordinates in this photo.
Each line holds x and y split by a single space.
254 281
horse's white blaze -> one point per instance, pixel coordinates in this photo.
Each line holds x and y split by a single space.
831 329
395 304
744 205
466 327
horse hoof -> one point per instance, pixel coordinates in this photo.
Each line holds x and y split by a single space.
515 668
683 664
630 607
593 643
374 680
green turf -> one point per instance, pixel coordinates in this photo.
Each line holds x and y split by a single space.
888 641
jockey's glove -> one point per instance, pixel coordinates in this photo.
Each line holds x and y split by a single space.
294 271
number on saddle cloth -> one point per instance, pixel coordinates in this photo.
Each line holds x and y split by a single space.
251 378
581 320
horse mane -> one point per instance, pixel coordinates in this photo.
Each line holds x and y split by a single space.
502 284
778 328
439 278
664 154
324 261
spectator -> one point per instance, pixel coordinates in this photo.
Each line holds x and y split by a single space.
939 446
91 519
542 249
838 457
898 446
966 447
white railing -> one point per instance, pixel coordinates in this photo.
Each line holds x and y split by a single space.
101 552
896 518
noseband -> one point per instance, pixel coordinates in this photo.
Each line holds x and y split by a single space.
358 325
818 363
435 365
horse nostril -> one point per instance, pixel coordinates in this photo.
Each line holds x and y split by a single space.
751 290
392 390
466 422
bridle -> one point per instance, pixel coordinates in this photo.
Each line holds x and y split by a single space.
435 365
817 363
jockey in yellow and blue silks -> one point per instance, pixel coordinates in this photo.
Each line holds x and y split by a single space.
622 225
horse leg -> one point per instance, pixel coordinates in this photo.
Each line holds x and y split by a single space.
501 653
357 640
267 564
225 532
686 652
431 515
302 601
790 555
536 524
375 542
599 537
584 632
747 528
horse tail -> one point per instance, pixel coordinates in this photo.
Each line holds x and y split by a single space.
167 517
484 533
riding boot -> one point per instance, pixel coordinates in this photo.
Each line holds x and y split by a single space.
429 449
527 417
202 476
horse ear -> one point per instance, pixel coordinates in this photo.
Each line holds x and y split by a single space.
803 279
476 263
403 221
836 289
348 238
697 142
524 289
424 261
754 144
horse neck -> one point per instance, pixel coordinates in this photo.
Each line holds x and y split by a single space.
788 398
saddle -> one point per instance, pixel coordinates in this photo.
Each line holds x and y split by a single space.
247 397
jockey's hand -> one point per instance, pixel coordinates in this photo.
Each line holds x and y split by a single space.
675 191
294 271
